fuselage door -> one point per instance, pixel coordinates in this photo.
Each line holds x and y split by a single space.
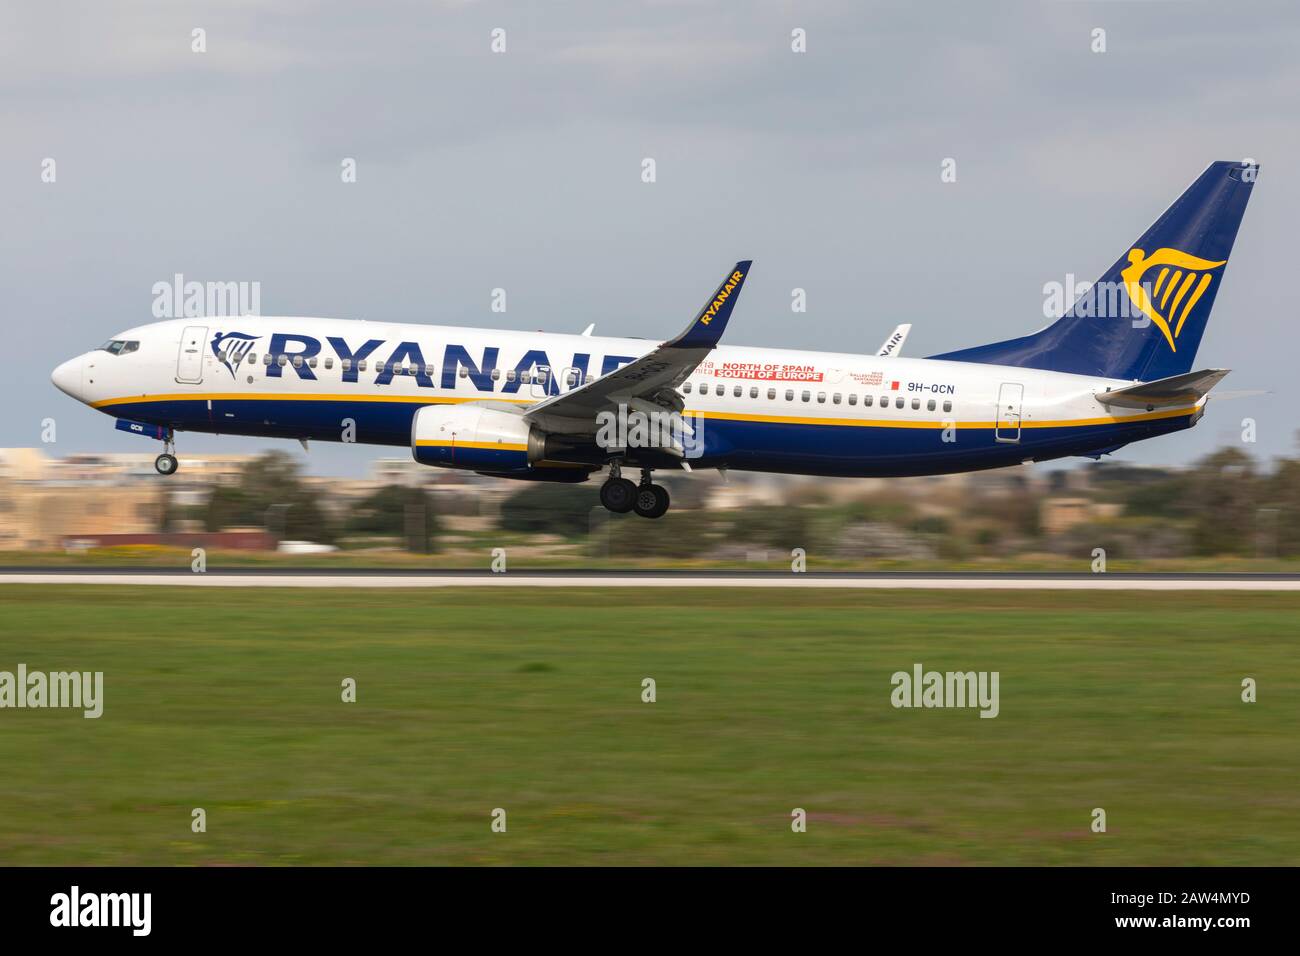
571 379
1010 399
541 381
189 362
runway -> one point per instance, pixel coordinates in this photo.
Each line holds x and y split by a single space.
666 578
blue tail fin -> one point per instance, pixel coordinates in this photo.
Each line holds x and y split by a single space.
1144 318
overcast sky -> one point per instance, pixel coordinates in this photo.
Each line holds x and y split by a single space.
522 170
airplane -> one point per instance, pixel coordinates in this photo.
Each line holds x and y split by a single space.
1115 369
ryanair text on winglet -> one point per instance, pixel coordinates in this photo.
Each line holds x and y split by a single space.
723 296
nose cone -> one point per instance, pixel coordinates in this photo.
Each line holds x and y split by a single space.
67 377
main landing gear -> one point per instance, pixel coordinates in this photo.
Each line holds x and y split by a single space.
620 496
166 463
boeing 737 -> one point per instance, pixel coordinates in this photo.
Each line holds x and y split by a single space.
1115 369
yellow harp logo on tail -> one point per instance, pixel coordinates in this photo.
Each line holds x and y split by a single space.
1181 281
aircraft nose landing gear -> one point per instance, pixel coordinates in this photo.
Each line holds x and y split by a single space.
166 463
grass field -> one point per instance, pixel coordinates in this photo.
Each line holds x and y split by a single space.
530 700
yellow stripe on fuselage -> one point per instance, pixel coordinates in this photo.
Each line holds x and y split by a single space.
498 446
902 423
296 397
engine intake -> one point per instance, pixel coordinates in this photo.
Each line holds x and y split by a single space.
471 436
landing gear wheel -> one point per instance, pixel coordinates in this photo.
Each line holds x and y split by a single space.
166 464
618 495
651 501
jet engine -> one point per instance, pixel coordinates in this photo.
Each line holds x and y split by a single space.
493 440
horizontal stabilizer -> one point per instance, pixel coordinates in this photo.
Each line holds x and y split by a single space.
1186 389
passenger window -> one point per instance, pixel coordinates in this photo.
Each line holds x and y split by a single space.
311 362
806 396
753 391
542 374
835 399
361 365
428 370
789 395
462 372
867 400
281 361
266 359
345 364
573 378
853 398
947 406
884 401
329 362
916 403
297 361
496 374
737 391
929 406
771 394
821 398
900 402
686 387
720 389
510 375
526 377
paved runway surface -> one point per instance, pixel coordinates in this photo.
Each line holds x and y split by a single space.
596 578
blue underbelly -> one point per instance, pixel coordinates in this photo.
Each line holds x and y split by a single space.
819 449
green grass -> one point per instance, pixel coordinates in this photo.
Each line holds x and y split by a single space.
529 699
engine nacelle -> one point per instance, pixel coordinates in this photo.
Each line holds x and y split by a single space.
471 436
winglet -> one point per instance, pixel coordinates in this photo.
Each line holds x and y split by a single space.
707 327
894 344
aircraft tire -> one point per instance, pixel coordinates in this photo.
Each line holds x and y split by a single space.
651 501
618 495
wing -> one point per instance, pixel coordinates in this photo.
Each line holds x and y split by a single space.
652 378
1186 389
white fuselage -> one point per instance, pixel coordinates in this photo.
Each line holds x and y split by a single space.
764 409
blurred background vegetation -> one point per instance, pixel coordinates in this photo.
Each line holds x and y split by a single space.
1227 505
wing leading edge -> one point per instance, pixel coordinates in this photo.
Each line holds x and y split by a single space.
655 376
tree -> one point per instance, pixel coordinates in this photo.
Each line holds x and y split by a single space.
1222 496
397 511
549 508
270 494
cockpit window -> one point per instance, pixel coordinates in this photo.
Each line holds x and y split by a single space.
119 346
